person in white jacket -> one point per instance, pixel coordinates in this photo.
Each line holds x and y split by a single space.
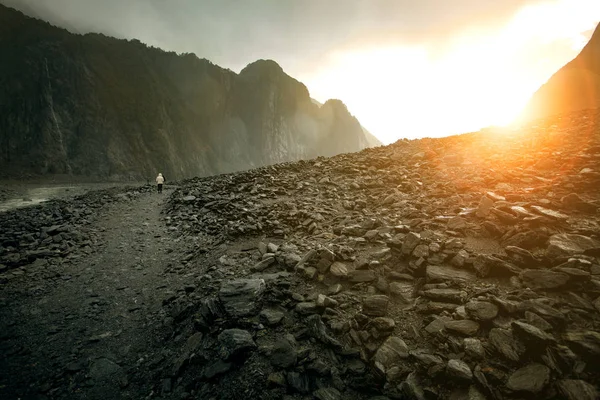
159 181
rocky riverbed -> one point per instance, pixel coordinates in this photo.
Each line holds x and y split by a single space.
459 268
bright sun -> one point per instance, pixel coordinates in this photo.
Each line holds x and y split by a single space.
481 78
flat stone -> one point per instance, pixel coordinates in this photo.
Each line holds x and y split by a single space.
306 308
328 393
450 295
421 250
543 279
242 297
576 389
473 348
460 258
411 387
532 378
586 343
411 241
484 207
383 324
271 317
537 321
531 335
402 290
459 369
506 344
545 311
389 353
362 275
564 245
217 368
464 327
338 269
375 306
298 381
597 304
426 358
263 264
283 354
481 310
457 223
440 273
235 342
486 265
107 371
437 325
550 213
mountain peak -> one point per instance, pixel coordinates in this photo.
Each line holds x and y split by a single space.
264 66
576 86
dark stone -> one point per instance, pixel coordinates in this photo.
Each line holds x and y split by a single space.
215 369
532 378
375 306
235 342
576 389
543 279
283 354
506 344
481 310
242 297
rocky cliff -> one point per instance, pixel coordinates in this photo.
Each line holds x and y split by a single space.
97 106
576 86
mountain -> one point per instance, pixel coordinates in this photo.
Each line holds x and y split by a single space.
97 106
576 86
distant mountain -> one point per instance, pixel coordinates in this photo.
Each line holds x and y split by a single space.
576 86
96 106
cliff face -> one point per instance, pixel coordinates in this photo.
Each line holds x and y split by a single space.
576 86
97 106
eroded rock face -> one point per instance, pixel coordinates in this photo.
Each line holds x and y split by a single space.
190 116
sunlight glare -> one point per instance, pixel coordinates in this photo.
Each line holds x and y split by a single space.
481 78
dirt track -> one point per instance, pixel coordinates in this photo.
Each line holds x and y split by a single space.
88 329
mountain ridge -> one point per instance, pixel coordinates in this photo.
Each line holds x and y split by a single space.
93 105
576 86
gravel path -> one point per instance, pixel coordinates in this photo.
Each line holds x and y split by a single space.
83 336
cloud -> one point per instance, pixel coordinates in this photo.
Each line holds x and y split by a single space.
296 33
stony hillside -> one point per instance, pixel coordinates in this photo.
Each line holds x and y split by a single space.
96 106
576 86
465 267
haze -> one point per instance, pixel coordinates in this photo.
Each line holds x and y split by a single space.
404 68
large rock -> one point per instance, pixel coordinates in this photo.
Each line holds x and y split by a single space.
375 306
532 378
411 241
586 343
283 354
564 245
402 290
242 297
486 265
481 310
440 273
464 327
235 342
444 295
459 369
543 279
506 344
576 389
362 275
389 353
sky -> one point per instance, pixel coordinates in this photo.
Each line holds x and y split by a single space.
404 68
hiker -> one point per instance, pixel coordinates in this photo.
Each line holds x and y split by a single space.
159 181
